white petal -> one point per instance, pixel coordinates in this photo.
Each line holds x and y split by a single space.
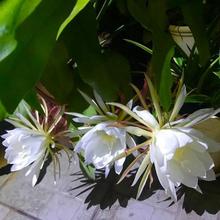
210 176
192 164
146 116
199 116
168 140
130 141
166 183
119 165
156 156
206 159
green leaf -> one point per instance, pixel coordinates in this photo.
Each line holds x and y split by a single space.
139 11
166 81
36 39
13 13
88 170
96 67
3 112
79 5
143 47
197 99
90 111
193 16
217 74
57 68
162 43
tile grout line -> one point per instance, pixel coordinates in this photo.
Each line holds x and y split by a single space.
31 217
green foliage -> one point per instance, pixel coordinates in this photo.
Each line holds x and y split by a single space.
58 44
79 5
193 16
88 170
97 67
36 39
162 43
13 13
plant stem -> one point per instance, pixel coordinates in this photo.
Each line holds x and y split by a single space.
204 75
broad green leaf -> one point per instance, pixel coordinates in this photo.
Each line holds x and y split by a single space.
58 75
27 8
166 81
3 112
7 26
197 99
36 39
97 67
13 13
79 5
193 16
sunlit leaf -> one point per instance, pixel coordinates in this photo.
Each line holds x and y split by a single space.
36 38
79 5
13 13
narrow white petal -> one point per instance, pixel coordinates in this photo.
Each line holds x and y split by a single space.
210 175
199 116
146 116
119 165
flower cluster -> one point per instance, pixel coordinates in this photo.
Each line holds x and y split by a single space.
179 152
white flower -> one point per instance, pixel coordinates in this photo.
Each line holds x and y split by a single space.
179 152
23 147
180 155
102 144
34 138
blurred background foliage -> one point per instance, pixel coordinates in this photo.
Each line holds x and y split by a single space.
105 45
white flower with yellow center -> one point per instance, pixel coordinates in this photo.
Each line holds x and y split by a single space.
179 152
102 138
101 145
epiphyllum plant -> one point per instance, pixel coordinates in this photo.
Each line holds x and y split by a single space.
179 152
35 138
102 139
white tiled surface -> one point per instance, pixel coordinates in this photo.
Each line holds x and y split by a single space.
19 201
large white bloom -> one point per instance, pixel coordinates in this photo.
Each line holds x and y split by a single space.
23 147
102 144
179 152
34 138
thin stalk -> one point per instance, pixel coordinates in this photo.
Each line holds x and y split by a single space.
204 75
